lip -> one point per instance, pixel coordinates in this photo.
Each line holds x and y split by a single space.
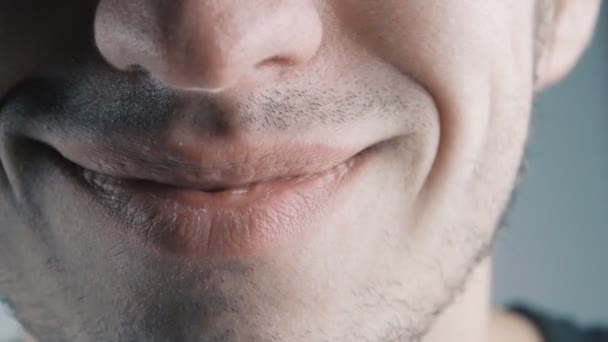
240 218
213 167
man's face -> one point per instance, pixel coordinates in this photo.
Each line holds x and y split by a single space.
254 171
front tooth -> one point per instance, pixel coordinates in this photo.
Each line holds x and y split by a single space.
240 191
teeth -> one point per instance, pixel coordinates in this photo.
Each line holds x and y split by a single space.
341 168
240 191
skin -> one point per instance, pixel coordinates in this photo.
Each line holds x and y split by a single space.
449 85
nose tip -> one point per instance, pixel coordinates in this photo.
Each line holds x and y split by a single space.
208 45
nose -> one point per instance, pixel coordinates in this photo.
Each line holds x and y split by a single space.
208 45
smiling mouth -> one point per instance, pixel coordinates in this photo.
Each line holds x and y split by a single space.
214 195
214 220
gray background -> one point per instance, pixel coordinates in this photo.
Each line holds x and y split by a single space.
553 250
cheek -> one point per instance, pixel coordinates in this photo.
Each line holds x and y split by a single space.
475 59
445 42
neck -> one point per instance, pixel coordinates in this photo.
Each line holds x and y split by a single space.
469 316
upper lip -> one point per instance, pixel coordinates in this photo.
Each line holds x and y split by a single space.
209 167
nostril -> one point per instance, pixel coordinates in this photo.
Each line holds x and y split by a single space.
207 45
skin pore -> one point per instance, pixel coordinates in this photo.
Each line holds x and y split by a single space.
441 89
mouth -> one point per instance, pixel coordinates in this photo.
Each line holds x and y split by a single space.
232 218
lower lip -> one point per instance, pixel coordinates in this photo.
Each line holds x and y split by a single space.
196 224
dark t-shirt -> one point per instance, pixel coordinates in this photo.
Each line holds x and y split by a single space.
560 330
